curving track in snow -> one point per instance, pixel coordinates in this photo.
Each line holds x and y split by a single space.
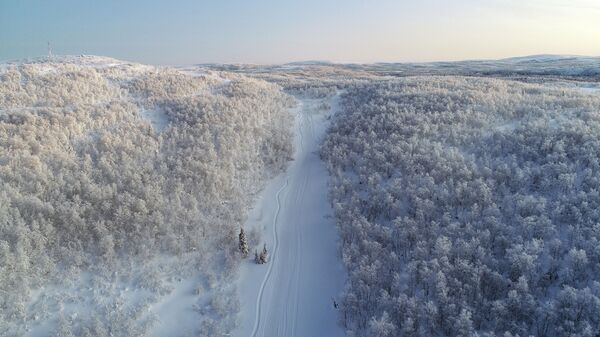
292 295
270 265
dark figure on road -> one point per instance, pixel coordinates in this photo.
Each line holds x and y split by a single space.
335 305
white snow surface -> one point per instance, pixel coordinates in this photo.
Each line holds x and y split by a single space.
292 295
178 313
156 117
587 87
591 88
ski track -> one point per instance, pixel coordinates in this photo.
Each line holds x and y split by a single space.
291 295
276 246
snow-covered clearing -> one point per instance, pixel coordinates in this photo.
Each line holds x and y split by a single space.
293 294
592 87
587 87
156 117
179 312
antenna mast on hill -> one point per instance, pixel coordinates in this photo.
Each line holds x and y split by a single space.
49 50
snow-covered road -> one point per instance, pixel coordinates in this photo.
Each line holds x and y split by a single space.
293 294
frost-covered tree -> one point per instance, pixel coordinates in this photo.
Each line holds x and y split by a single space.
89 185
263 257
381 327
467 206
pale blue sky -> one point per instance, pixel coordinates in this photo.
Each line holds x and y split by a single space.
276 31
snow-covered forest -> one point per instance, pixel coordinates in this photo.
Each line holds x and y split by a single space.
468 206
465 196
118 183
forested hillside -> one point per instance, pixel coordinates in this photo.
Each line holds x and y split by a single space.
116 176
467 206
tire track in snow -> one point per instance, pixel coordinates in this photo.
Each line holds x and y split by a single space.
294 281
298 262
298 236
270 268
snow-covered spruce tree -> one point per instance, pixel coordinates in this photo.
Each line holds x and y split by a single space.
243 243
264 255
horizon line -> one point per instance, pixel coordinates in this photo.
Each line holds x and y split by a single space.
301 61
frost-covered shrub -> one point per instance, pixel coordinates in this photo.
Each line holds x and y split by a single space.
467 206
89 189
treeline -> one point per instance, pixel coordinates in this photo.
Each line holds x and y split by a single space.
467 207
87 184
